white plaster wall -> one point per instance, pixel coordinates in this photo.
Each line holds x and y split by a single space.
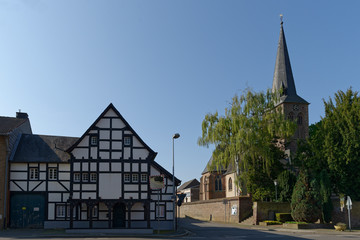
33 184
42 176
104 134
76 187
143 195
127 167
115 155
89 187
55 186
144 167
54 197
140 153
116 145
135 167
64 167
116 166
42 167
87 195
76 167
104 167
110 113
92 166
169 215
93 152
13 187
143 187
104 145
85 166
65 196
154 171
109 186
117 123
169 205
76 195
136 142
103 123
18 167
126 153
18 175
51 211
104 155
137 216
64 176
84 142
128 132
116 135
80 153
41 187
131 187
129 195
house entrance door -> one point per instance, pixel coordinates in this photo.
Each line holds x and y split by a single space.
119 218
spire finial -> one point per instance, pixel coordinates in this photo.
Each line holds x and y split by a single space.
281 18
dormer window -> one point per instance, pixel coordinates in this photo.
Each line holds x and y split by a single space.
93 140
127 141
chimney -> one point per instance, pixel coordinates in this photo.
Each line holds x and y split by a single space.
22 115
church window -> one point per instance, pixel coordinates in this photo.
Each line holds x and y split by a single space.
230 184
218 185
291 116
299 119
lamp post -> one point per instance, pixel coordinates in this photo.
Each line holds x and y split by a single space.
275 183
176 135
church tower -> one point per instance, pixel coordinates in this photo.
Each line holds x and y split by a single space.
293 106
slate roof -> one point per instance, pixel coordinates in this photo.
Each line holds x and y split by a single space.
230 169
209 167
189 184
7 124
283 76
41 148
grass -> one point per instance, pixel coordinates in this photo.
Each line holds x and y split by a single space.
269 222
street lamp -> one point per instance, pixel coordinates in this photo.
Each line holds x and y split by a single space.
176 135
275 183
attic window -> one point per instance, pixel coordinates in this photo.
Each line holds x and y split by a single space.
127 141
93 140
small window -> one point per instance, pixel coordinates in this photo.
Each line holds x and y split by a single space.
299 119
160 213
93 140
144 177
52 173
127 141
34 174
85 177
126 177
60 210
230 184
77 177
135 177
93 177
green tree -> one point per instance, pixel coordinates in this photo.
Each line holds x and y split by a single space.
248 132
342 141
286 180
305 204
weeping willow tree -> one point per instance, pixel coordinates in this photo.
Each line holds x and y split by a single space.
248 135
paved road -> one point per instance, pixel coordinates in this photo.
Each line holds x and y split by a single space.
209 230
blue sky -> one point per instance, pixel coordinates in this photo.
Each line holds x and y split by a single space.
165 64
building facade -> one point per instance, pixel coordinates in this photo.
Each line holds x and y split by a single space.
100 180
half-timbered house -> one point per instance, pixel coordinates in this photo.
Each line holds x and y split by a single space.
100 180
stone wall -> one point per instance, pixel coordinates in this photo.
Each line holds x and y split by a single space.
233 209
266 210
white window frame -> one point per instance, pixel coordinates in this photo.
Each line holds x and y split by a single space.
34 173
85 177
135 177
53 172
144 177
93 177
127 177
77 177
61 211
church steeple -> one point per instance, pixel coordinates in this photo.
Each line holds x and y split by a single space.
283 78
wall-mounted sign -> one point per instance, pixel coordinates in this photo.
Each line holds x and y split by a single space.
36 209
234 210
157 182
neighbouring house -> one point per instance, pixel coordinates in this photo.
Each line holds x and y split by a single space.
10 128
100 180
191 189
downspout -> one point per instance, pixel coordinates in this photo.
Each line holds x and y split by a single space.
6 181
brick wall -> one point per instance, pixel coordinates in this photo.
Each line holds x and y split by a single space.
263 210
219 210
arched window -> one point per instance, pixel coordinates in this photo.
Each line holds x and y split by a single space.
218 186
299 119
291 116
230 184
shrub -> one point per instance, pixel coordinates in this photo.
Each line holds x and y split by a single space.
305 202
270 222
283 217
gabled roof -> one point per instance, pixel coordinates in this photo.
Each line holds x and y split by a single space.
8 124
41 148
111 106
283 77
230 169
189 184
211 168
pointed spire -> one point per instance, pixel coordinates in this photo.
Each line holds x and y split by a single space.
283 78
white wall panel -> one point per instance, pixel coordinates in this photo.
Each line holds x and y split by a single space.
84 142
13 187
126 153
104 155
131 187
169 215
152 216
117 123
85 166
104 145
64 167
52 165
143 187
76 167
116 166
127 167
116 135
135 167
116 145
33 184
128 132
93 152
103 215
42 166
18 175
51 211
42 175
110 113
154 171
55 186
136 142
89 187
104 167
140 154
103 123
144 167
41 187
76 195
76 187
18 166
137 216
64 176
92 166
87 195
109 186
33 164
80 153
116 155
144 195
104 134
23 185
166 197
65 196
169 206
131 195
54 197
